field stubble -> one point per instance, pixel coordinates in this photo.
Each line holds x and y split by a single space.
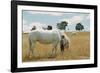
79 49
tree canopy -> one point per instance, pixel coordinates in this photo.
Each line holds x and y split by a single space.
79 26
62 25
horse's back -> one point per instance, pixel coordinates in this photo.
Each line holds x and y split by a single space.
45 36
48 36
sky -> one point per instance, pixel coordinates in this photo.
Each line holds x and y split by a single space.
41 19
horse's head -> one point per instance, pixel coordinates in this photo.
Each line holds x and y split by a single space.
64 43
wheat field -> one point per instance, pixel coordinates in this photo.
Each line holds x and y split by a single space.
79 49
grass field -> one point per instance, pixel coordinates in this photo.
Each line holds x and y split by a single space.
79 49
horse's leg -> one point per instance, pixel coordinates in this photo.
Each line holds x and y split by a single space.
33 46
54 48
52 51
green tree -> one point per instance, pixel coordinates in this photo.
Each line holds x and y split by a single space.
79 27
62 25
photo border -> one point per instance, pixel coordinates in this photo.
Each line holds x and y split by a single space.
14 26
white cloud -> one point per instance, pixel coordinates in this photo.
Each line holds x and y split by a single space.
37 24
49 13
75 19
28 27
25 26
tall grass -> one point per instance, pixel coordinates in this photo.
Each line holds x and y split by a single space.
79 49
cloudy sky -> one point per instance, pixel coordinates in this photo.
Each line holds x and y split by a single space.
43 19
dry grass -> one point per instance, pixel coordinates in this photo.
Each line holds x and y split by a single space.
79 49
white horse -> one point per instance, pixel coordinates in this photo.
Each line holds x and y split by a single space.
53 37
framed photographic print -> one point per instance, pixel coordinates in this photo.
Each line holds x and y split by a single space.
52 36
